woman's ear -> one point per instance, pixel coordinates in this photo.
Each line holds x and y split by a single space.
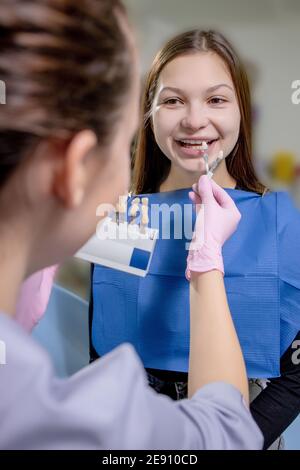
70 180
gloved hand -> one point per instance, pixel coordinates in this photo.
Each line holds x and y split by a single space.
34 297
216 220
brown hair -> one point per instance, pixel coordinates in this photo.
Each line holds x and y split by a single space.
151 167
67 67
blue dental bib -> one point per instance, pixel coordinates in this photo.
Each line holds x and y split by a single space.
262 280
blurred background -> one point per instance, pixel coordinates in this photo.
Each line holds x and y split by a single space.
267 35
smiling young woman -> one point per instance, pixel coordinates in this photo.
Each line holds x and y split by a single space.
189 55
197 91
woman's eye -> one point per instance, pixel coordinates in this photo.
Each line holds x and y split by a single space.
217 100
172 101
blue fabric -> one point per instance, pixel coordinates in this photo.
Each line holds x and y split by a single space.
262 279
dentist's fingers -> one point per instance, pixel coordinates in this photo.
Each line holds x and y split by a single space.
195 188
194 197
205 189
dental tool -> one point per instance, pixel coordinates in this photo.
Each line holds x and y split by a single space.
215 164
210 170
121 245
204 147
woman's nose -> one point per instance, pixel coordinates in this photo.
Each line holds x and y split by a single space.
195 118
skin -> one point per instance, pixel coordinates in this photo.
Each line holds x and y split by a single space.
217 356
193 109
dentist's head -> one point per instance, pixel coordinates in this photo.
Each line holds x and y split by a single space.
72 87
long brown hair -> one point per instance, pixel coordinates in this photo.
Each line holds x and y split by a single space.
150 166
67 66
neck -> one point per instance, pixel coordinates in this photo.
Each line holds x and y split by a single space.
13 264
178 179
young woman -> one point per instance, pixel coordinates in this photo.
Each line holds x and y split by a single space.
71 74
197 91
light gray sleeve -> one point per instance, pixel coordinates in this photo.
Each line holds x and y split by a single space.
108 405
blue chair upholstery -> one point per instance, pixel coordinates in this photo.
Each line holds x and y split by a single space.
292 436
63 331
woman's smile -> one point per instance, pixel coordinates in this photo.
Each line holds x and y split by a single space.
188 148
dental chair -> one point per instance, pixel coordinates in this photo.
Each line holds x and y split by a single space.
64 333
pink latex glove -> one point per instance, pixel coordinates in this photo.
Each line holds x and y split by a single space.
216 221
34 297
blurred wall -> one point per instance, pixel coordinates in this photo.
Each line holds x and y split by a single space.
265 32
267 35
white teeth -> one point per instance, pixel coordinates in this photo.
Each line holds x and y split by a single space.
195 142
198 147
202 143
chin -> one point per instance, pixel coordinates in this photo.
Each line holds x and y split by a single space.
193 167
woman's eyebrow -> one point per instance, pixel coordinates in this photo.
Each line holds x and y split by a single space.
170 88
209 90
215 87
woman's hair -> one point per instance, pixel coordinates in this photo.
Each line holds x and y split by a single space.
150 166
66 66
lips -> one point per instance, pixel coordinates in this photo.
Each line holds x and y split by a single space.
193 147
195 143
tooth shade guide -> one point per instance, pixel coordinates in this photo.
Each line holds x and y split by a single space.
215 164
117 252
205 157
133 210
123 199
145 215
145 219
122 209
143 227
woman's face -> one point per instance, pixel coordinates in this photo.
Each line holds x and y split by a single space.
195 101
